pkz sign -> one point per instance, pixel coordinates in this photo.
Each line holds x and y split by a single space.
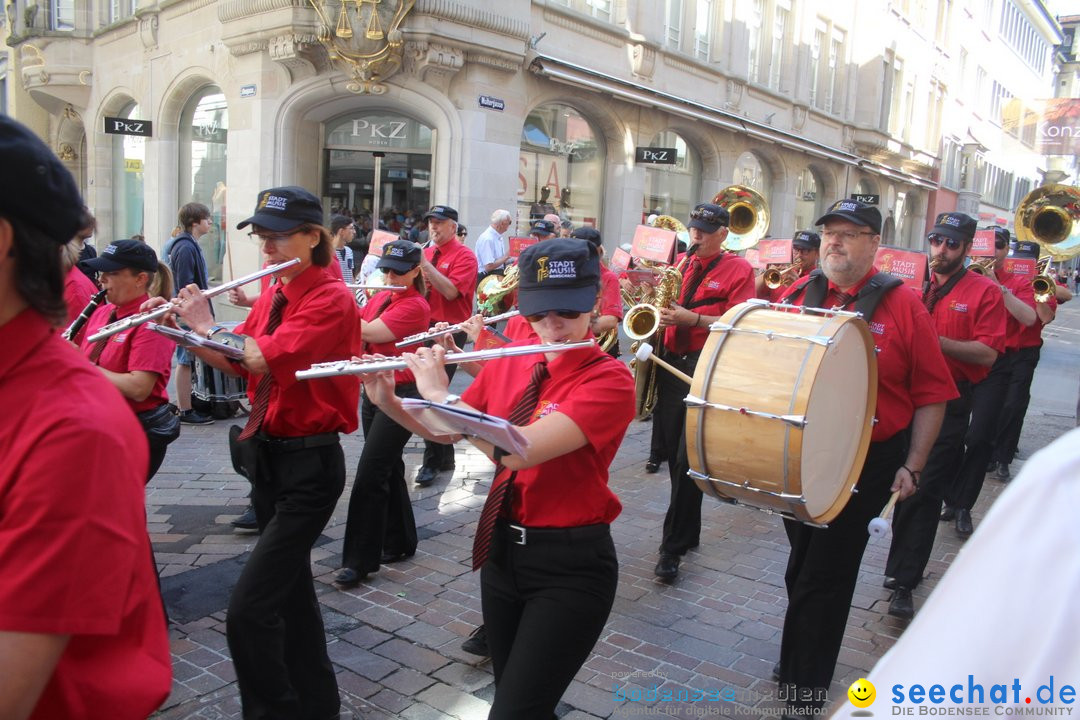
128 126
868 199
656 155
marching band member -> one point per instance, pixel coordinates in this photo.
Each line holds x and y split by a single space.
713 282
805 247
274 626
548 566
609 310
81 626
449 268
78 288
969 316
380 525
138 361
913 385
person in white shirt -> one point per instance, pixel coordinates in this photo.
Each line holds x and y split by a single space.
491 248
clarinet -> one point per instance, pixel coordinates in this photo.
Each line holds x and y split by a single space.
78 323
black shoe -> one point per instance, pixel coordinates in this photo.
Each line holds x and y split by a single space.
448 468
889 584
347 577
948 513
1002 473
776 672
476 643
964 528
667 568
901 605
190 417
393 557
426 476
246 523
652 466
991 469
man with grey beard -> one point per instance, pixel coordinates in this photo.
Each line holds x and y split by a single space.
913 386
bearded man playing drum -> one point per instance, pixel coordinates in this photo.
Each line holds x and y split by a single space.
913 387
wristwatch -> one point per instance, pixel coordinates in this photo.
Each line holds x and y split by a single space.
212 330
451 399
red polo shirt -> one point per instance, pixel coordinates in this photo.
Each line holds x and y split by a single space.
458 263
1020 286
911 368
1031 336
138 348
318 324
74 554
973 310
595 391
406 314
775 294
78 289
730 282
610 294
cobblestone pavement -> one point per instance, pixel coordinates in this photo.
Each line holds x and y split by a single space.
395 639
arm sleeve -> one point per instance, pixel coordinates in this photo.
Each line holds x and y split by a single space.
183 265
150 352
407 317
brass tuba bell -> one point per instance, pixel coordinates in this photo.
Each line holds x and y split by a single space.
749 216
1050 216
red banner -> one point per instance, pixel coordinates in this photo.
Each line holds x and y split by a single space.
620 260
380 238
517 244
774 252
653 243
753 256
1024 267
983 244
907 265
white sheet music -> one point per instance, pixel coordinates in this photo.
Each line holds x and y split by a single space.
453 420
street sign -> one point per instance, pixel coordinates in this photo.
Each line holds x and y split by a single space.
247 91
492 103
656 155
868 199
128 126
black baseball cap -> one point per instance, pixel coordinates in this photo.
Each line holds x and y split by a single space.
542 227
284 208
854 211
35 187
123 254
588 234
1001 235
806 240
401 256
443 212
559 274
957 225
1026 249
708 217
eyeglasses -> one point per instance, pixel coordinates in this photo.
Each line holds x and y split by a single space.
935 240
564 314
708 216
276 238
845 235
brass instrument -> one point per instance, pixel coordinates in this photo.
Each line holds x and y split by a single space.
774 276
360 367
78 323
133 320
1042 284
432 334
492 292
749 216
935 262
1050 216
983 267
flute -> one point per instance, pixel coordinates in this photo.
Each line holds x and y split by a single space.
430 334
133 320
77 324
359 367
354 286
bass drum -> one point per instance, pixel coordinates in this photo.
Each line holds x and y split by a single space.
781 408
213 392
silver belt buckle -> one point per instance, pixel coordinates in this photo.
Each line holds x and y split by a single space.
521 530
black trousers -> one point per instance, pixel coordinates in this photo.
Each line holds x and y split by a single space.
1015 407
986 403
545 604
274 626
682 523
436 455
820 578
916 519
157 456
380 511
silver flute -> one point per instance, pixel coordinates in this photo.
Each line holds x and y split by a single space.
431 334
356 286
160 311
359 367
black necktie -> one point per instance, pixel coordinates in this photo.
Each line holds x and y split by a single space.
266 382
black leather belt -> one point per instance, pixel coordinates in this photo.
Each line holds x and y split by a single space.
292 444
520 535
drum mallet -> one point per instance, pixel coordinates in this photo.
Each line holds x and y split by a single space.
645 353
879 526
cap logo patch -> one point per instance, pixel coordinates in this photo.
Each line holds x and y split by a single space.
395 252
562 270
541 269
109 250
274 202
848 206
952 220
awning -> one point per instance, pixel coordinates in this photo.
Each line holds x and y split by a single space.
578 76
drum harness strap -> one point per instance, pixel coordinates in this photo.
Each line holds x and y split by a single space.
816 286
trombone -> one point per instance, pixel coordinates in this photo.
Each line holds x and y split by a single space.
432 334
774 276
133 320
1042 284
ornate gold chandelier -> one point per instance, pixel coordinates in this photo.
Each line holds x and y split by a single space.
364 37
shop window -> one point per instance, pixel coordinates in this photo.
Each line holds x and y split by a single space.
672 189
128 158
808 201
204 128
749 171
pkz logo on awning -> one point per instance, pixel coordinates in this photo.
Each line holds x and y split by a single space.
657 155
128 126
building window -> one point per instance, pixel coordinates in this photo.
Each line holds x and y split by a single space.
561 167
750 172
753 40
673 14
599 9
779 39
703 28
898 111
816 46
672 189
62 15
836 61
808 205
120 10
944 18
128 160
204 129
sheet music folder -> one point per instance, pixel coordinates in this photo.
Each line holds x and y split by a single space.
453 420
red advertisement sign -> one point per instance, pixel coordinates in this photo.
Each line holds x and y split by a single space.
774 252
1019 266
379 238
620 260
517 244
907 265
983 244
753 256
653 243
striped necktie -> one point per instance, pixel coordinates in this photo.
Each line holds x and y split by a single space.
99 346
266 381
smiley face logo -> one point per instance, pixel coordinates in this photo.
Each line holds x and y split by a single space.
862 693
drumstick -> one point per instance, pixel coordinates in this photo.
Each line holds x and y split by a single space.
879 526
645 352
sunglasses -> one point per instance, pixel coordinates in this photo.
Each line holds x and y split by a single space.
708 216
276 238
935 240
1001 244
564 314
